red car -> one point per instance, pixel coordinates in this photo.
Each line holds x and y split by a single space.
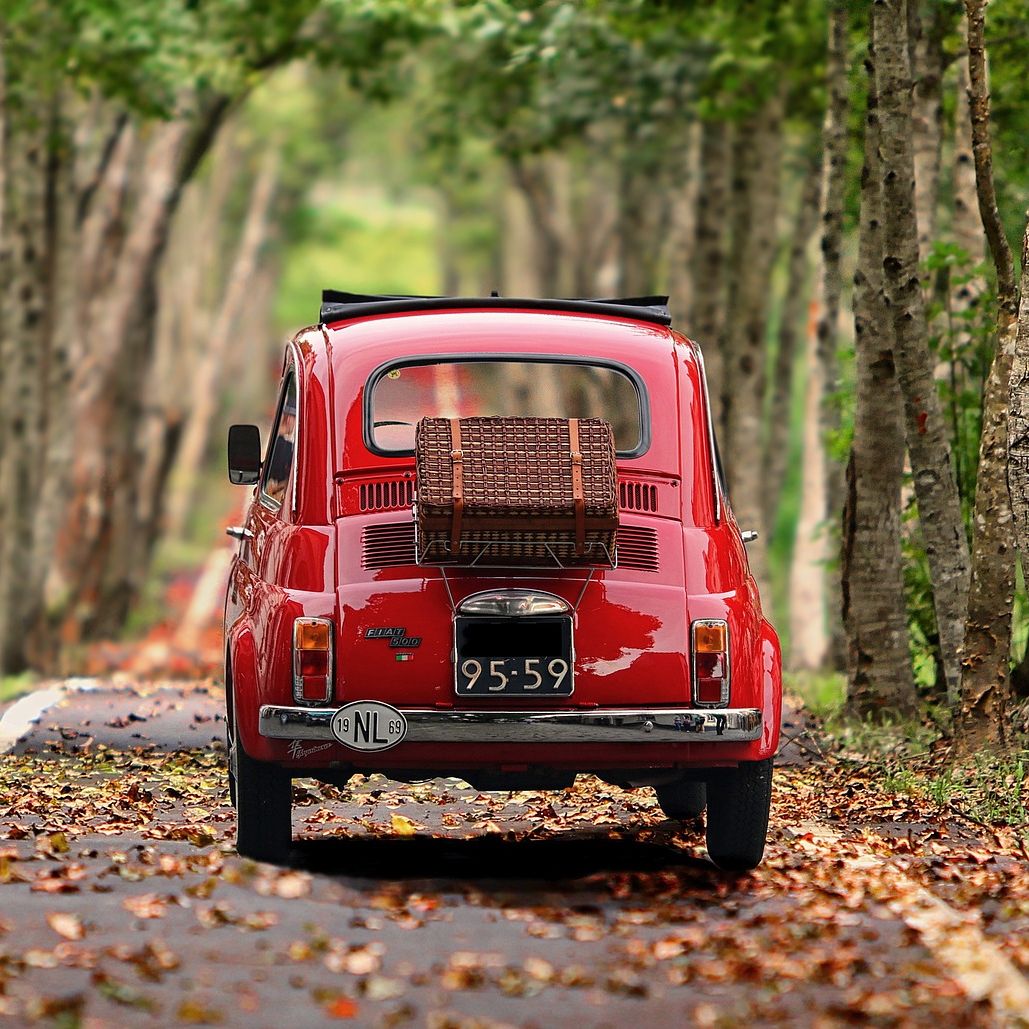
345 654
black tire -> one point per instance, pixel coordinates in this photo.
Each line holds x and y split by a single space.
683 800
264 806
230 758
738 804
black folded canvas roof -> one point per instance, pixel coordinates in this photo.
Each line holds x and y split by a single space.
337 306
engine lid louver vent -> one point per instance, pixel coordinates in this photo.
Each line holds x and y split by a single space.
637 496
392 545
386 495
387 546
637 548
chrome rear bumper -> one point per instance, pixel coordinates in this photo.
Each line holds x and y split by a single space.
612 725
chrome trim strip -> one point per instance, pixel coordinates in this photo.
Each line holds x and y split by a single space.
614 725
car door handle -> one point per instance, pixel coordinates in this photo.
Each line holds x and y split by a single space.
239 532
748 535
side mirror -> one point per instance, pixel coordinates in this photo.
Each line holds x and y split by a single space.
244 454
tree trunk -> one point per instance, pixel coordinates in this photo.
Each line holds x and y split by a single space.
809 640
966 226
592 222
99 557
682 230
938 502
207 378
531 177
985 683
709 259
644 211
879 675
925 47
791 320
1018 423
30 165
830 289
755 200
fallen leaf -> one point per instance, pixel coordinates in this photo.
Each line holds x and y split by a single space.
402 825
146 905
341 1007
65 924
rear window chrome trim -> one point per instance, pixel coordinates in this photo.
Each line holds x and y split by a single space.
630 373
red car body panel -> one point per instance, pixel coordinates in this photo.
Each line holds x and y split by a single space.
631 625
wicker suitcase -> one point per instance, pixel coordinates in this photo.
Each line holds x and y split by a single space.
516 491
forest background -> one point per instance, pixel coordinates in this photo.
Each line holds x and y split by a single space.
833 194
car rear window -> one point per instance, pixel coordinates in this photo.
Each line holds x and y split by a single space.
405 392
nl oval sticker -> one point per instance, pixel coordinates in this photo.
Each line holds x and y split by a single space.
369 725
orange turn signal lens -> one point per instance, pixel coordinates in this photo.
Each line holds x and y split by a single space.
312 634
710 638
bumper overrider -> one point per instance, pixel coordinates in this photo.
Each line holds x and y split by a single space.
612 725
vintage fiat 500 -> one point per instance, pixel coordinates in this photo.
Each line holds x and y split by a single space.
351 647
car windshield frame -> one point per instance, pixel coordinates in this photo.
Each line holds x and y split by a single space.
630 373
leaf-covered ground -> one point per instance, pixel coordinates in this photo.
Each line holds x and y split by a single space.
122 902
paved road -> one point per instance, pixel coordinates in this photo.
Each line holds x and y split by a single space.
121 902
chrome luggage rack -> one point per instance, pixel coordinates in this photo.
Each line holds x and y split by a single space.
605 557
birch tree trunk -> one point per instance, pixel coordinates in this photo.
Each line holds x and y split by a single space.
985 680
879 675
939 505
755 201
709 259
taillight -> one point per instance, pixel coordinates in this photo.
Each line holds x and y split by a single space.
710 662
312 660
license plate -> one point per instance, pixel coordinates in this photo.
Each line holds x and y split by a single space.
521 657
369 725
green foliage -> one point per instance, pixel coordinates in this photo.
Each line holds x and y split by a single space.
823 693
156 57
962 340
14 686
364 242
991 789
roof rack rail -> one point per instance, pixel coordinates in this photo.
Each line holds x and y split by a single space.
337 306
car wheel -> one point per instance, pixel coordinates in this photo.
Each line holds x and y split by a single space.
684 800
737 815
264 806
230 758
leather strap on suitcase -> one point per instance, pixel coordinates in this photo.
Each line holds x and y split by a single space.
457 457
577 492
